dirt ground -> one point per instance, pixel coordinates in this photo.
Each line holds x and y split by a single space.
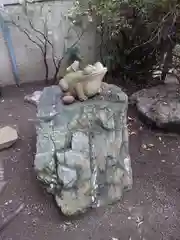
151 210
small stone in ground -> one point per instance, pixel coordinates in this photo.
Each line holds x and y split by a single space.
68 99
8 136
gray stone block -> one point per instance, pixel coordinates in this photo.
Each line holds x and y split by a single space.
67 176
88 142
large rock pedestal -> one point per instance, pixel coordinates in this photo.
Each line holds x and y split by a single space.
82 149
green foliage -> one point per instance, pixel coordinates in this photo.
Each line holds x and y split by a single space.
135 34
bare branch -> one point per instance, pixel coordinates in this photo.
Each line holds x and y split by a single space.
43 48
45 37
26 32
41 40
11 217
157 30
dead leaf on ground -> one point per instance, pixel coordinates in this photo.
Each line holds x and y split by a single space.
147 147
150 145
133 133
144 146
131 119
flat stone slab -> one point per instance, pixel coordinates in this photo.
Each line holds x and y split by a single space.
8 136
160 105
82 153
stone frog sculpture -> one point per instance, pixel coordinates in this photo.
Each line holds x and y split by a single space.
82 84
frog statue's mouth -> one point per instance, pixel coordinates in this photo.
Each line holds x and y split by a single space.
95 69
101 72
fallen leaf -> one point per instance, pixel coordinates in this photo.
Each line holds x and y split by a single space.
132 133
150 145
139 223
129 118
68 223
144 146
148 149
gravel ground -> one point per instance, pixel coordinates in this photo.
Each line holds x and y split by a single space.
150 211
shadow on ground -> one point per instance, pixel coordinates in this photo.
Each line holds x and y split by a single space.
150 211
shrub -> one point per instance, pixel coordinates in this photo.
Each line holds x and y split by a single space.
136 35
